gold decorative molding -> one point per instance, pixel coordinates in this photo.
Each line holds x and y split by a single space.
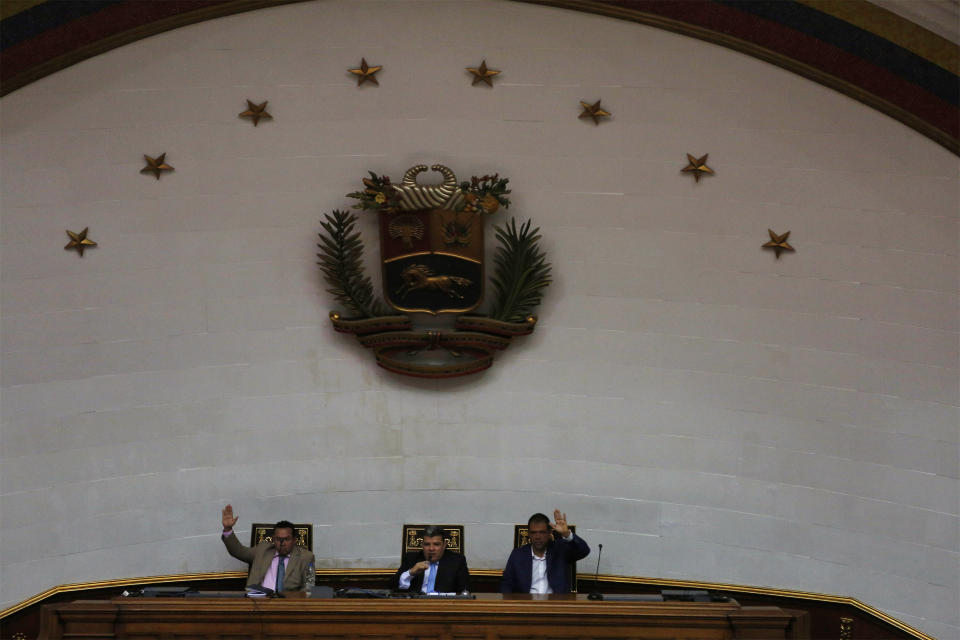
902 32
348 573
861 13
846 628
452 535
767 591
139 32
263 532
762 53
117 582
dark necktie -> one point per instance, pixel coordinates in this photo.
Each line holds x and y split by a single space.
280 571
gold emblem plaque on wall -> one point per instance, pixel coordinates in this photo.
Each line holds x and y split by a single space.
432 264
262 532
521 534
452 535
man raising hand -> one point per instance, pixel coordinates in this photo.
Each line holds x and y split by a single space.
543 565
280 565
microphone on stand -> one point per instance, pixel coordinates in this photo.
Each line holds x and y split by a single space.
595 594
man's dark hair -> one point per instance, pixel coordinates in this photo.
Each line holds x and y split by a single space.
538 517
283 524
432 531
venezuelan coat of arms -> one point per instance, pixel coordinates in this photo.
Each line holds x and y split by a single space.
432 263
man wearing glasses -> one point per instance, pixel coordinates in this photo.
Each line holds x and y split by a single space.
280 565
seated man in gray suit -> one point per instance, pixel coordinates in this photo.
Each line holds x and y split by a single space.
280 565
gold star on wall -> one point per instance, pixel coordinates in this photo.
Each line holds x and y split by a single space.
483 74
366 72
256 111
79 241
778 243
593 111
697 166
156 165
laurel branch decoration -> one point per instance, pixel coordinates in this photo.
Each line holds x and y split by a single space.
521 274
341 260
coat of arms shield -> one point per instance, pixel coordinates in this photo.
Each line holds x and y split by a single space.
431 245
432 260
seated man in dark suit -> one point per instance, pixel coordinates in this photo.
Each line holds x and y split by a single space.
543 565
433 569
280 565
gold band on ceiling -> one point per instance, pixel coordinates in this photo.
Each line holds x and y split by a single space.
936 54
790 64
347 574
131 35
894 28
13 7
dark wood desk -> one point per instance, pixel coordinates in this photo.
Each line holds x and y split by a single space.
490 617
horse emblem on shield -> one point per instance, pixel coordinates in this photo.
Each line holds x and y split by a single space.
431 247
432 262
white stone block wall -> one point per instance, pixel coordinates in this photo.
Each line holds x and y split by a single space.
705 411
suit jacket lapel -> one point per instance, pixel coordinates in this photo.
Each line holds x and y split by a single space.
443 568
261 564
552 565
416 582
528 566
295 565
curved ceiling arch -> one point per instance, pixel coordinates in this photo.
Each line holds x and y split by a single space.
852 46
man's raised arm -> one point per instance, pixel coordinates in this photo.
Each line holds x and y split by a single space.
233 545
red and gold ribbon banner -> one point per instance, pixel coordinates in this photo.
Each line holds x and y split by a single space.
467 349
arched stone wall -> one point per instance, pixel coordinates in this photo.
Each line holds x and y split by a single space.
702 409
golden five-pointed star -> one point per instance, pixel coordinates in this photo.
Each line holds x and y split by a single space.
366 72
483 74
778 243
256 111
593 111
697 166
156 165
79 241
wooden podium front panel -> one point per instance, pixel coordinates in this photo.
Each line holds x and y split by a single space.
489 617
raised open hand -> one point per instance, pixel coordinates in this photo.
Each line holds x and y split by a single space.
228 518
559 523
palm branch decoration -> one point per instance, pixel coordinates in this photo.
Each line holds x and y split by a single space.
341 260
521 273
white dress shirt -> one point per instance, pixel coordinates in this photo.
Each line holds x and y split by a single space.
538 579
405 578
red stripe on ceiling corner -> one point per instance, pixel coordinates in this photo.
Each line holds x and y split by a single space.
753 34
89 30
808 50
